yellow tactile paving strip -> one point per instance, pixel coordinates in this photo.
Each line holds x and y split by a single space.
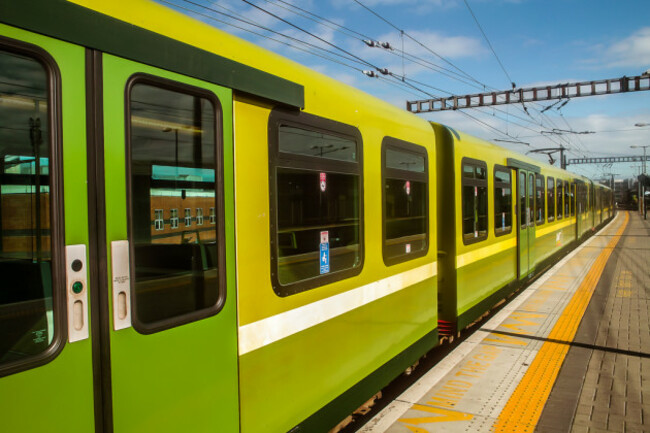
523 409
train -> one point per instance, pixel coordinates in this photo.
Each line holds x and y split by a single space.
200 235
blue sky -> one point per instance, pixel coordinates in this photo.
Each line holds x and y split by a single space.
537 41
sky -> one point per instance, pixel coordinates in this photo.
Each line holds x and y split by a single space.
458 47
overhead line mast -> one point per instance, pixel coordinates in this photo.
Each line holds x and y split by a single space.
532 94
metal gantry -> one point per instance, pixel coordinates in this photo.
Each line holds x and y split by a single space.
532 94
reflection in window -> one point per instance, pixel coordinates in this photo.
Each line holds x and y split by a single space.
474 201
317 181
26 309
173 218
172 167
405 201
159 222
502 201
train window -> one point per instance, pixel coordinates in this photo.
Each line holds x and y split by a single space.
531 199
28 239
539 200
550 198
474 200
560 197
567 199
522 200
405 203
316 201
502 200
174 161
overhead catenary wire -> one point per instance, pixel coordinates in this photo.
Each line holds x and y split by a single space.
416 41
311 34
489 44
405 84
233 15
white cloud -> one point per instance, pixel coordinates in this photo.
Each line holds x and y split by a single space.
633 51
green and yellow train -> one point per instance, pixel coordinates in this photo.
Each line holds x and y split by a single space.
199 235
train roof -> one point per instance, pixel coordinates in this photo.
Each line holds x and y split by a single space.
319 90
465 138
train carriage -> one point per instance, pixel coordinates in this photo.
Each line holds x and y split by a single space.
511 217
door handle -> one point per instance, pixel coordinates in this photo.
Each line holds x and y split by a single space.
120 265
76 292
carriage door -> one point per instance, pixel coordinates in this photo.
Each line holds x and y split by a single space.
169 248
526 223
46 374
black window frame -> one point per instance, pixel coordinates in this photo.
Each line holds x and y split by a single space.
407 147
550 190
282 117
499 184
481 183
199 92
540 177
56 203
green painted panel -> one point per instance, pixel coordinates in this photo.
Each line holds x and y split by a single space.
480 279
40 399
184 378
287 381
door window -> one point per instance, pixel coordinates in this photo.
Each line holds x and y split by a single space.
173 165
26 238
502 200
474 200
405 175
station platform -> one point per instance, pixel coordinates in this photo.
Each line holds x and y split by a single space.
571 353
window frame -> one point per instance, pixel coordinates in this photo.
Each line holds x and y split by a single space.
282 117
392 173
495 184
56 203
476 183
199 92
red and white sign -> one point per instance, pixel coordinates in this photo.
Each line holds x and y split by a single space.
323 181
325 237
407 187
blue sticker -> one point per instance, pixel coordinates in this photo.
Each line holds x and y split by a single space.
324 258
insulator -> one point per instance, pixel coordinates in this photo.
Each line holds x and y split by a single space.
370 74
370 43
383 71
386 45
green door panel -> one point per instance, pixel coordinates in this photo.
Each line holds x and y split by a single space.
40 399
183 378
525 221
